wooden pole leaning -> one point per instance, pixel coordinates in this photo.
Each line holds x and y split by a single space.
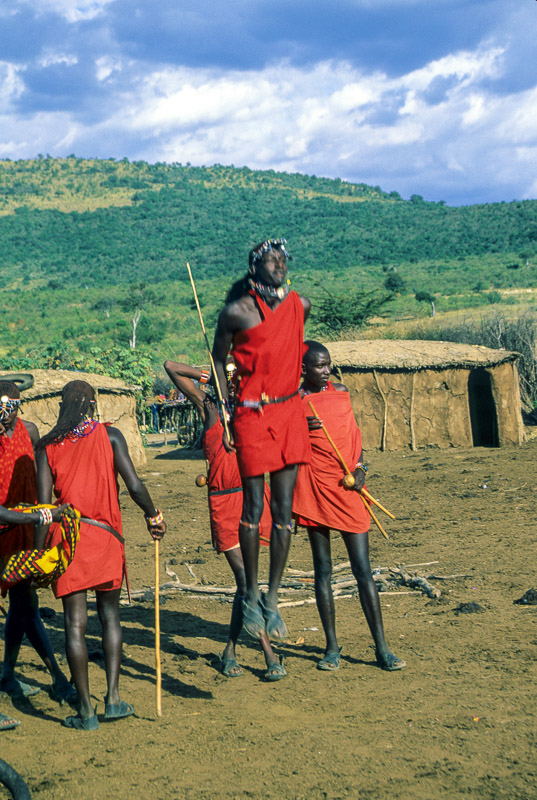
216 380
158 669
349 473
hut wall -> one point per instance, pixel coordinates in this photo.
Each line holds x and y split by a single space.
428 408
118 409
506 393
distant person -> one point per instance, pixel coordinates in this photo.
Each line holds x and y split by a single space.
225 506
81 459
321 503
18 485
263 322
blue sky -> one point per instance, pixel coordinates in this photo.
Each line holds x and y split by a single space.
432 98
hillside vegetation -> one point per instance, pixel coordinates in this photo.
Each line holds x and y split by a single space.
87 242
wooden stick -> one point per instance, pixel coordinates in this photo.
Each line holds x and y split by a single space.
374 517
157 631
376 502
216 380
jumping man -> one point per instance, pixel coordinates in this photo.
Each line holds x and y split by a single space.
263 322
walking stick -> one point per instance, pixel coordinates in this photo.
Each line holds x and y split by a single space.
348 478
157 631
216 380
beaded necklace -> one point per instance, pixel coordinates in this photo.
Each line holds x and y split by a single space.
270 291
82 430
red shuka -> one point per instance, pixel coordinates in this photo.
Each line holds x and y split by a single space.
269 361
84 475
17 485
225 509
319 498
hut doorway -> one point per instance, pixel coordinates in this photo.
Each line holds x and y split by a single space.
482 409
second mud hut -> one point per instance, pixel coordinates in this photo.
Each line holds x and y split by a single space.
415 394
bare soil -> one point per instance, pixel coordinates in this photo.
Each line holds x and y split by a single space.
458 722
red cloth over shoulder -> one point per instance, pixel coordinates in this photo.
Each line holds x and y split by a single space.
225 509
84 475
17 485
319 497
269 361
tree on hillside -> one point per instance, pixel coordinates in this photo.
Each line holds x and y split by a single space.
138 297
426 297
336 312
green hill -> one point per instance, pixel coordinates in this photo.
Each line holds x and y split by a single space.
78 237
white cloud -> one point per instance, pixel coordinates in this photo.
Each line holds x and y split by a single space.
438 131
71 10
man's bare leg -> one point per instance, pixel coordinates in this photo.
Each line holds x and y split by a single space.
252 509
112 641
75 611
322 564
282 485
357 545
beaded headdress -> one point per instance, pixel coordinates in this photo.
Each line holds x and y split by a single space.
268 246
8 406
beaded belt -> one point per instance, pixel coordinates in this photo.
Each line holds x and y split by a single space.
264 400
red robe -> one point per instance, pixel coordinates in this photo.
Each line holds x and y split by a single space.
17 485
84 475
269 361
225 507
319 498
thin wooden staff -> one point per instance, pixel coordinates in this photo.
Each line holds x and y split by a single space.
376 502
216 380
348 479
157 631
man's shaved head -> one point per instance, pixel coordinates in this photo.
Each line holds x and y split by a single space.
314 349
9 389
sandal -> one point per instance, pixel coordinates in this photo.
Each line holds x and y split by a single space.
79 723
118 711
390 663
8 723
16 688
66 693
330 661
274 624
227 665
275 671
253 620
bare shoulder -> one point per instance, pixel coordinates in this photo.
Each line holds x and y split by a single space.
32 430
114 434
340 387
232 315
305 302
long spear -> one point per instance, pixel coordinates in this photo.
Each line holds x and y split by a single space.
348 478
157 631
216 380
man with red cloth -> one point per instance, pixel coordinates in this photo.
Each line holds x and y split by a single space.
321 503
264 322
225 507
18 485
81 459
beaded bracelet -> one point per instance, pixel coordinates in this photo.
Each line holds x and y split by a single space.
156 520
46 516
204 376
361 466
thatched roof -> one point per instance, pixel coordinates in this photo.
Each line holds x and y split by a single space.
406 354
50 382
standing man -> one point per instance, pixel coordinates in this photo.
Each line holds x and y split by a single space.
263 322
18 485
322 503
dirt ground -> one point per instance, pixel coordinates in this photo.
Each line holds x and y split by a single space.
458 722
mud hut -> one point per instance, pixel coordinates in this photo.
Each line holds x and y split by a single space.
115 403
414 394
